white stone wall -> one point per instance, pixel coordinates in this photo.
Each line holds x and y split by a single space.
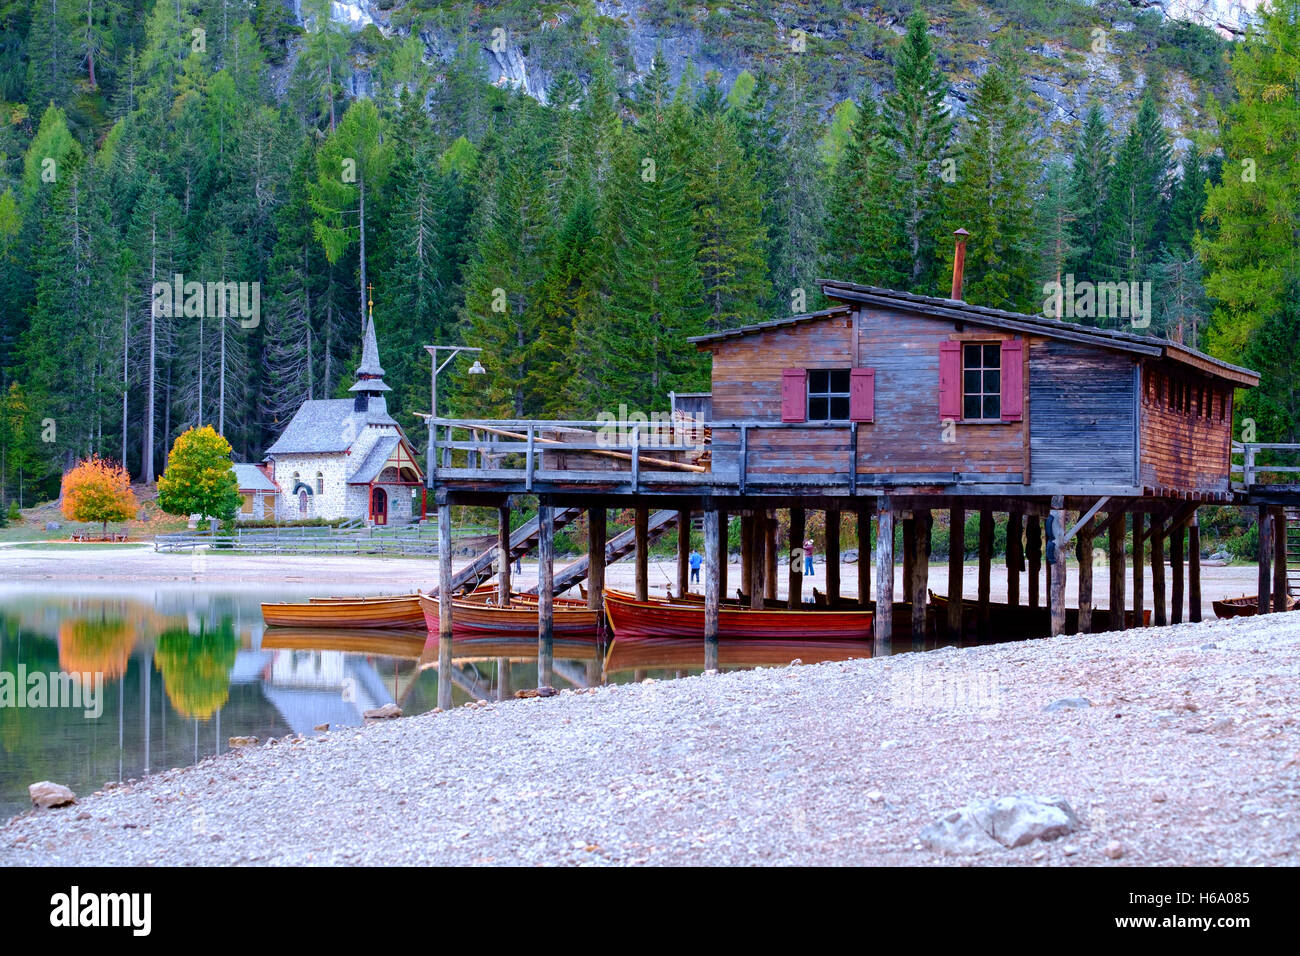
331 505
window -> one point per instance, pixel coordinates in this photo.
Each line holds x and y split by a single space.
320 483
828 394
982 381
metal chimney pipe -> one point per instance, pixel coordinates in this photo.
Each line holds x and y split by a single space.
959 263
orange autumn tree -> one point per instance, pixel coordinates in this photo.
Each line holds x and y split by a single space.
98 490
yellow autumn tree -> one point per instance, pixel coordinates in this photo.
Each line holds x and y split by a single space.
98 490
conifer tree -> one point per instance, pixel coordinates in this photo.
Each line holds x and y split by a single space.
1090 175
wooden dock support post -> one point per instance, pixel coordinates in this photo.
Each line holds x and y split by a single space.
747 552
909 554
715 555
1056 593
1117 571
597 538
1279 560
769 555
503 555
1159 611
1194 569
956 568
758 563
683 552
920 576
641 523
545 592
1264 603
1083 554
985 570
1034 549
724 552
1139 568
1015 556
832 557
794 579
1176 535
444 605
864 555
883 621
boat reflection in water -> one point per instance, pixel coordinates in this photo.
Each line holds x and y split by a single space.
672 654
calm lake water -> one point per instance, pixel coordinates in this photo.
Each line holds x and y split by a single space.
185 668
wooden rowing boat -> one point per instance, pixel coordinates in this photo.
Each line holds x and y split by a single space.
399 611
1244 606
473 619
631 618
659 653
1006 621
371 598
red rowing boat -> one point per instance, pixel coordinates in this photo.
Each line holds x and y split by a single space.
631 618
472 619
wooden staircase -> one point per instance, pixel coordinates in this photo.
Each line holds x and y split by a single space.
522 540
617 548
1292 550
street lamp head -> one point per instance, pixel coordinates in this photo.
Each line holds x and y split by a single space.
477 368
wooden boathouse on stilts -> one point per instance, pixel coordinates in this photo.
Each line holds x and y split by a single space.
888 407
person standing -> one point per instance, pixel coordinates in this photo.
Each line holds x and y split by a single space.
807 557
696 560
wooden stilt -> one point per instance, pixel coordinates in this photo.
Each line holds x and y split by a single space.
920 576
794 577
545 592
1117 572
683 552
984 572
641 524
597 536
1194 612
832 557
444 606
1176 536
747 552
503 555
758 583
864 555
1159 611
883 621
724 552
714 556
1139 567
956 568
1083 554
1056 591
1264 602
909 554
1279 560
1015 556
1034 548
769 555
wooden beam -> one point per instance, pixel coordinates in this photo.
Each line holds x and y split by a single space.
1264 603
1176 536
1117 602
545 592
832 557
503 556
794 575
714 554
1159 610
956 568
597 539
1139 567
1015 556
1084 519
758 568
444 606
883 622
985 571
1056 593
747 551
1083 553
641 522
864 554
1034 546
769 555
683 552
1279 560
920 575
909 553
724 550
1194 569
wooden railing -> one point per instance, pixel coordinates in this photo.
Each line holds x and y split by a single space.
1264 461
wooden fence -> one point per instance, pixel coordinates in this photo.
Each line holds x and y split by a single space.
413 539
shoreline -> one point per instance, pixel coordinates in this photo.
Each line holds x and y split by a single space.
1189 753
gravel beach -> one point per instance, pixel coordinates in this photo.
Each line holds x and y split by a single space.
1175 746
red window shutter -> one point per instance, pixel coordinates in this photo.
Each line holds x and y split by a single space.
862 395
1013 380
949 380
794 395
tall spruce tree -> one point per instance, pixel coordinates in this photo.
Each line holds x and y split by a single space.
1090 177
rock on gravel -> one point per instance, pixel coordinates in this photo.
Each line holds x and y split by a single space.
50 795
1008 822
387 712
1068 703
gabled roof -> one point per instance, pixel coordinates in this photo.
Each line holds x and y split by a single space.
252 478
328 425
955 309
375 460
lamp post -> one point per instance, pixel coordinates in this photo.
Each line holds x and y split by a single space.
433 350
